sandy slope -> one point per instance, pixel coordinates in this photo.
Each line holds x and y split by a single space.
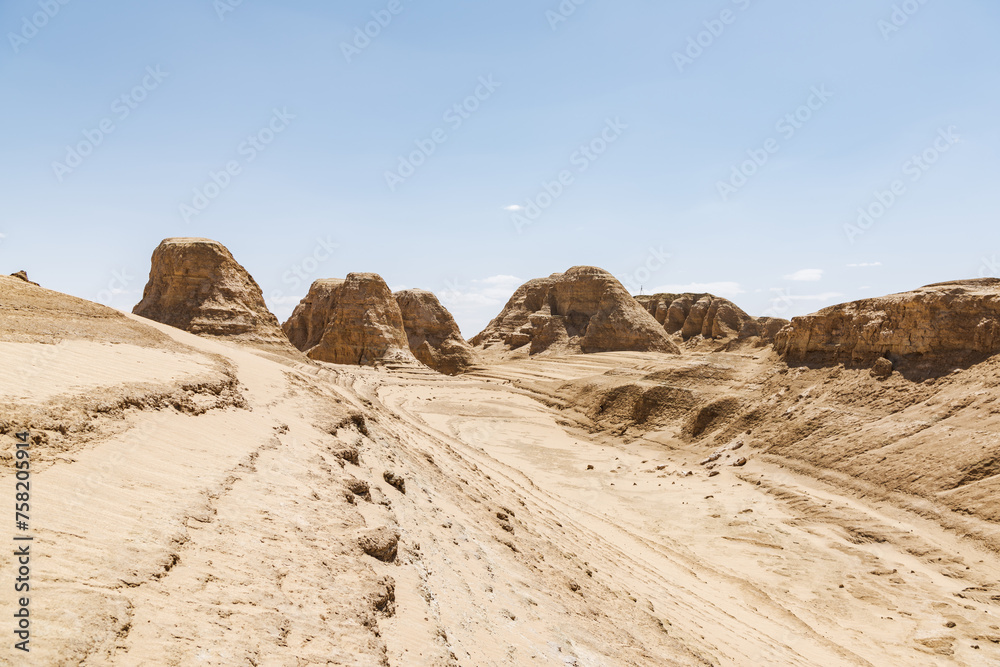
195 502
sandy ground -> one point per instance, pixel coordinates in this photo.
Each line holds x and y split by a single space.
757 565
239 532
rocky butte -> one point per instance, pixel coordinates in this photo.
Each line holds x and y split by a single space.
585 309
432 333
196 285
349 321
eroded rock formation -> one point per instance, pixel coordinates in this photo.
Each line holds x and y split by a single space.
690 315
583 310
942 321
433 335
195 284
351 321
710 317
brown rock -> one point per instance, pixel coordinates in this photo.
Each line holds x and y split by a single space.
394 480
432 333
196 285
882 368
380 543
944 321
583 310
23 275
350 321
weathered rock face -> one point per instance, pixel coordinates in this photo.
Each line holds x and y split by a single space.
433 334
764 329
583 310
196 285
943 321
690 315
351 321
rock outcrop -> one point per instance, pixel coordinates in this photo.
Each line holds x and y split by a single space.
195 284
710 317
944 321
23 275
351 321
433 334
690 315
583 310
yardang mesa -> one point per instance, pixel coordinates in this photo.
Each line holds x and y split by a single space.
596 478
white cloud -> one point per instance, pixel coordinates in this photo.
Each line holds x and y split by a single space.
514 208
503 281
474 304
862 264
806 275
825 296
495 290
723 289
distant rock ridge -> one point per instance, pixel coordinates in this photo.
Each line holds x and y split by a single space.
432 333
941 321
349 321
196 285
584 309
689 315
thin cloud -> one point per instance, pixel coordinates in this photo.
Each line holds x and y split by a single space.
492 291
825 296
475 303
514 208
806 275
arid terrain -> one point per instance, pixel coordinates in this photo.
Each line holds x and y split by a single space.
592 480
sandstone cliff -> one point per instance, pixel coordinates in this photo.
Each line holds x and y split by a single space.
944 322
350 321
433 335
583 310
196 285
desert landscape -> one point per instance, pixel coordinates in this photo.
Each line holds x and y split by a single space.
596 478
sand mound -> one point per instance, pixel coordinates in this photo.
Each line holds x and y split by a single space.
351 321
196 285
33 314
583 310
434 337
937 326
73 371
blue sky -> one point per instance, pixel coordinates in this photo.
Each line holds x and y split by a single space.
254 124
